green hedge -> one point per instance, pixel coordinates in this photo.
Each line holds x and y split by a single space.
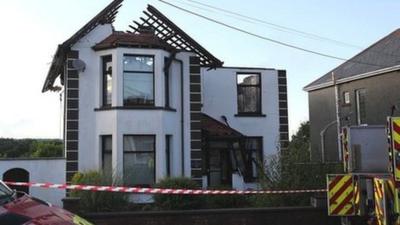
172 202
98 201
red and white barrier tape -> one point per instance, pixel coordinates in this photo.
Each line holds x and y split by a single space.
139 190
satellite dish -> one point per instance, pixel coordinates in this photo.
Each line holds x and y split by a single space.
78 65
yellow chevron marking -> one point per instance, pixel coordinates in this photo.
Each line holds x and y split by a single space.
339 201
338 185
341 195
378 196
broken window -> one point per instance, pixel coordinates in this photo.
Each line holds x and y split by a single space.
252 155
249 93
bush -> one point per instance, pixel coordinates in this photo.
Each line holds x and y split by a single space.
172 202
293 169
98 201
226 201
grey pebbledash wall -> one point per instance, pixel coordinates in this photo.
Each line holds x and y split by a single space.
382 93
260 216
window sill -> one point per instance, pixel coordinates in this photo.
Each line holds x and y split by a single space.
135 108
250 115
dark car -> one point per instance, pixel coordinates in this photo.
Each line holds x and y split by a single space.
17 208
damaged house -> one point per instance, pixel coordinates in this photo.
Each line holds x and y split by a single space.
152 102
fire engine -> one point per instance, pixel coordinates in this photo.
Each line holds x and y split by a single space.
368 191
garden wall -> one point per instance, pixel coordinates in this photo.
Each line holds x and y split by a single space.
248 216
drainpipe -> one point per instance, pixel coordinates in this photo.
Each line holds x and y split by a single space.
337 100
172 58
322 134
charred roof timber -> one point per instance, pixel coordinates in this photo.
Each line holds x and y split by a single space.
164 33
106 16
166 30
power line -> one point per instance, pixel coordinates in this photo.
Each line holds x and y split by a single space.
266 38
216 12
280 27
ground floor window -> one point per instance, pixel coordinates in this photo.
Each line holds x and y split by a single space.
139 160
106 146
168 154
254 157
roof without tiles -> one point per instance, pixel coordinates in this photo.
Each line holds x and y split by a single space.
382 54
165 35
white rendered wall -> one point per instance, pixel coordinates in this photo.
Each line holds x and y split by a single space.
118 122
220 99
40 170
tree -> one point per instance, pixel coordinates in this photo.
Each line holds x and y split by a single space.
47 149
26 148
293 169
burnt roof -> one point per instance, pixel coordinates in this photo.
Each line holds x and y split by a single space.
216 128
140 40
166 30
382 54
106 16
166 35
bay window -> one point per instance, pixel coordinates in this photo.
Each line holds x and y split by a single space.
138 80
139 160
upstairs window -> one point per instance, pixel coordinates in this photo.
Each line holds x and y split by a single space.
107 80
138 80
346 98
249 93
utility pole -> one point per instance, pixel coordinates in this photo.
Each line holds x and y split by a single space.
337 101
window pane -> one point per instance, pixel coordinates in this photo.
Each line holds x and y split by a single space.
139 143
346 96
253 143
107 154
248 79
138 88
253 148
249 99
107 143
107 80
255 162
139 168
107 163
138 63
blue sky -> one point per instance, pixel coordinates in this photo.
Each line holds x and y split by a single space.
32 30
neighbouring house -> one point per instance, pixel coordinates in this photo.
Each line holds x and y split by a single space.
152 102
368 92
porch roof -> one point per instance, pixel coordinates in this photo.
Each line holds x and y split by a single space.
216 128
